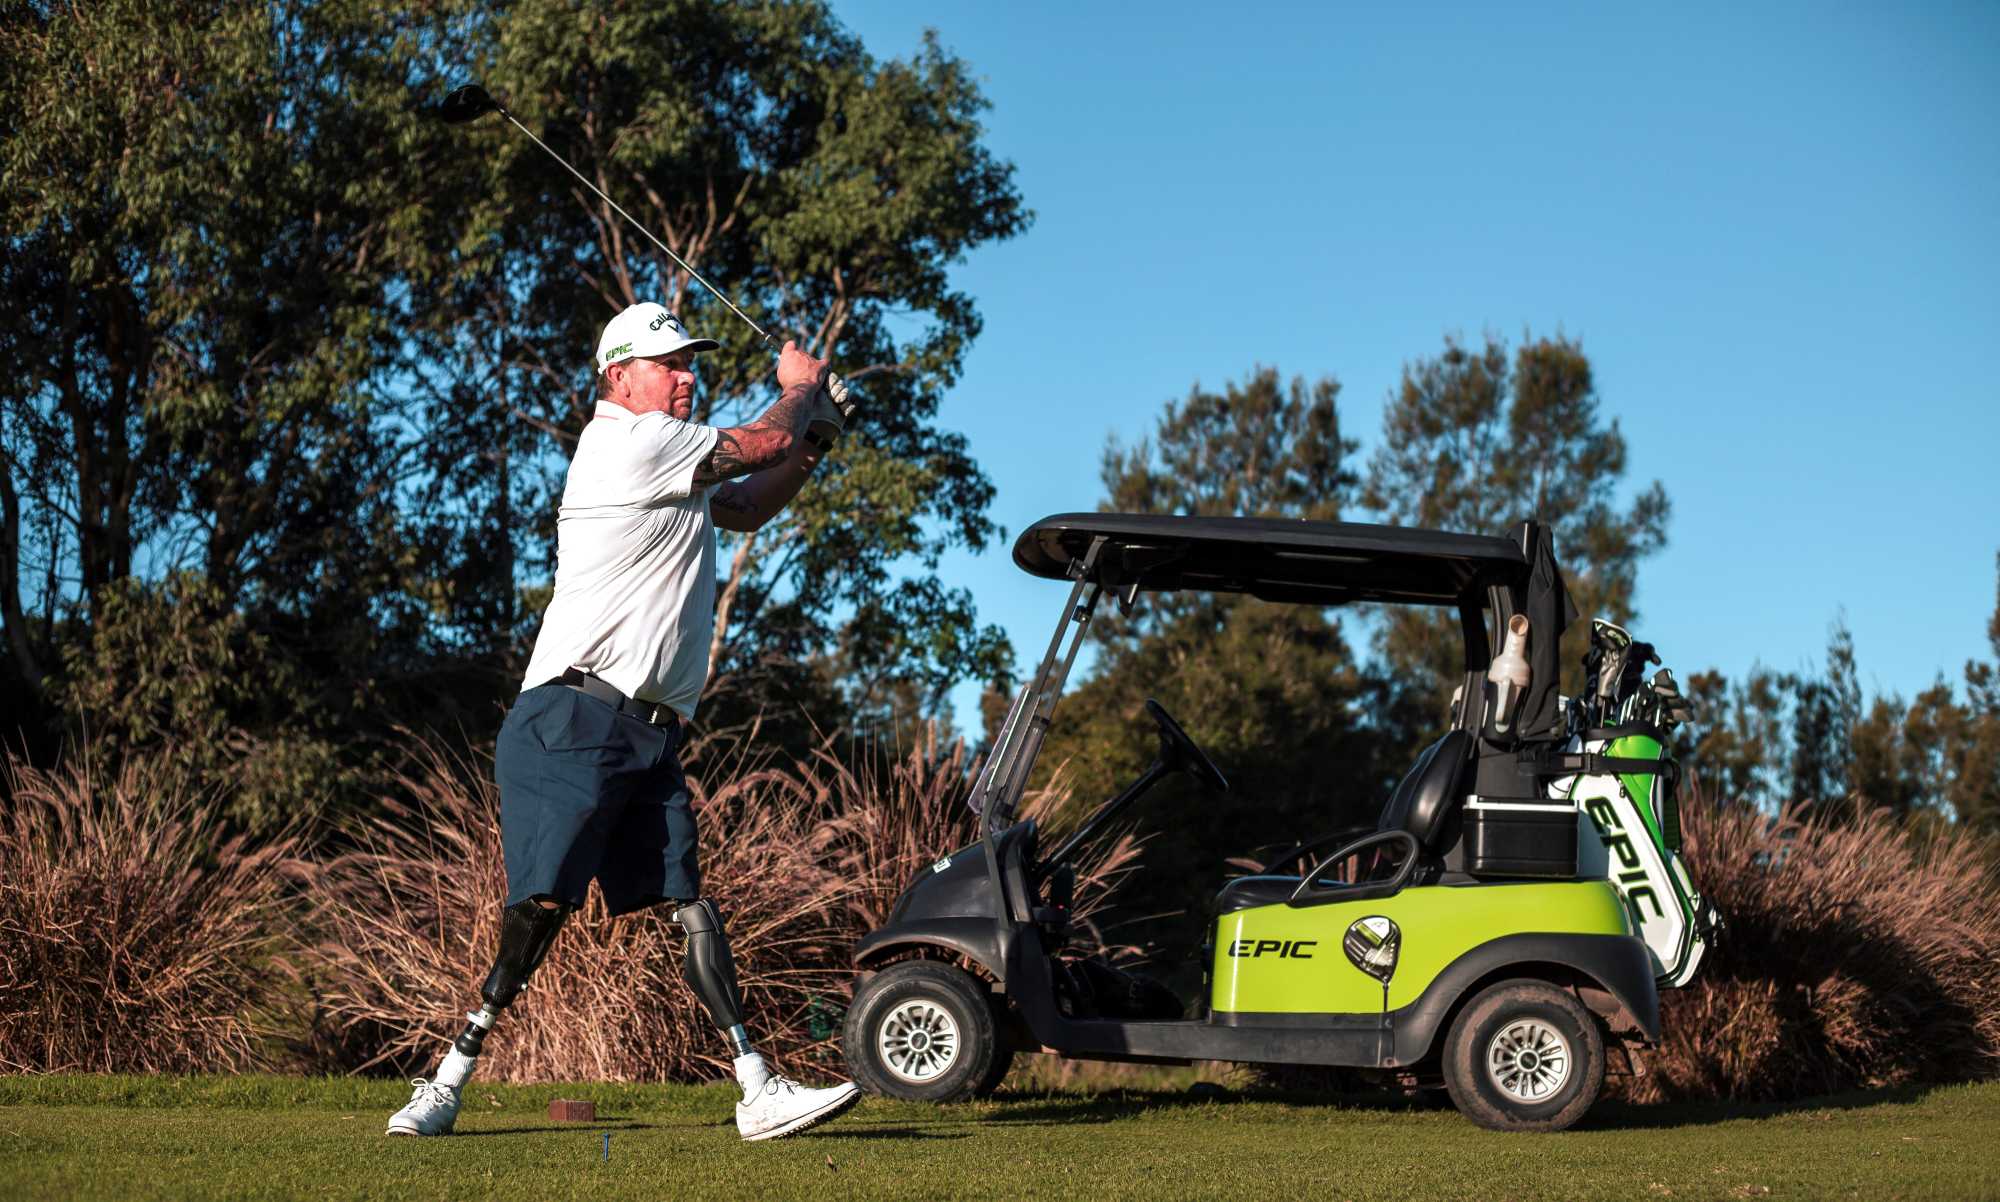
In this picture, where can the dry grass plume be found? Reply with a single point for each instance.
(1857, 956)
(135, 935)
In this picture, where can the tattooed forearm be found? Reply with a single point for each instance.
(734, 507)
(732, 498)
(725, 458)
(740, 450)
(745, 505)
(792, 409)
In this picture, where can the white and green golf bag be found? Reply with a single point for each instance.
(1628, 832)
(1626, 792)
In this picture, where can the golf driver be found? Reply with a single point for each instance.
(470, 102)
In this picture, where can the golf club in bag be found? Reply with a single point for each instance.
(470, 102)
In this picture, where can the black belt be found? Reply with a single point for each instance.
(658, 713)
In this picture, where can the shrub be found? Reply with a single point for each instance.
(408, 920)
(175, 672)
(1856, 956)
(134, 937)
(802, 860)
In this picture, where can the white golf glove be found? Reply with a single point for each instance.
(832, 407)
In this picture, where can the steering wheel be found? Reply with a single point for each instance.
(1180, 751)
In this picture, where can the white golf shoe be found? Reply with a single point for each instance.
(432, 1109)
(784, 1107)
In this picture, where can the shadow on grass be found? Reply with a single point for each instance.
(599, 1127)
(1032, 1110)
(1129, 1103)
(883, 1133)
(1627, 1116)
(1048, 1111)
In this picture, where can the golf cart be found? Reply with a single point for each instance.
(1506, 923)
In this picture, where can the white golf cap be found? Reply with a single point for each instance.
(645, 329)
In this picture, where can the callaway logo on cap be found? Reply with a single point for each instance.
(645, 329)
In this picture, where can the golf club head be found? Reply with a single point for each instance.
(466, 104)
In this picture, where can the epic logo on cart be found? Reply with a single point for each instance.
(1287, 949)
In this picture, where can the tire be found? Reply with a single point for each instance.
(924, 1032)
(1003, 1063)
(1003, 1049)
(1524, 1056)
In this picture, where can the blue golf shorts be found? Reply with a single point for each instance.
(588, 793)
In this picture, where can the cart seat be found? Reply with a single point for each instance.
(1422, 804)
(1428, 797)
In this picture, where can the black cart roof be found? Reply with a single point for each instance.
(1276, 559)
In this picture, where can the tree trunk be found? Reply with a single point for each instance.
(18, 640)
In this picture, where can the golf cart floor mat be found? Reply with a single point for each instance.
(1093, 989)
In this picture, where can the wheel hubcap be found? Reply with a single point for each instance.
(918, 1040)
(1528, 1060)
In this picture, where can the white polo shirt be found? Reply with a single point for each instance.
(635, 561)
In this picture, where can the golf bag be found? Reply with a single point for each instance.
(1625, 784)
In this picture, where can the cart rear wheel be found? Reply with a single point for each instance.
(924, 1032)
(1524, 1056)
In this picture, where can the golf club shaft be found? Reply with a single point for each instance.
(696, 275)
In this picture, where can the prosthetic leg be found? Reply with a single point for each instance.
(527, 931)
(710, 970)
(773, 1106)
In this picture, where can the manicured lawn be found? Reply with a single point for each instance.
(267, 1137)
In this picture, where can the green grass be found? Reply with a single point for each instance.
(269, 1137)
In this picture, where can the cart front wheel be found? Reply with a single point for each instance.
(1003, 1063)
(1524, 1056)
(924, 1032)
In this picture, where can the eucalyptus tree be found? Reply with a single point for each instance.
(219, 220)
(828, 192)
(291, 366)
(1476, 440)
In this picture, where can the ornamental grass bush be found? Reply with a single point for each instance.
(406, 922)
(1857, 955)
(803, 859)
(136, 936)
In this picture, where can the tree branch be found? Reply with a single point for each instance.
(738, 570)
(541, 425)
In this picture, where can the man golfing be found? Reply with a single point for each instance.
(588, 758)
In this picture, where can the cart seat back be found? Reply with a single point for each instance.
(1424, 802)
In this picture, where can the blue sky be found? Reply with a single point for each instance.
(1775, 230)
